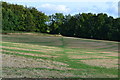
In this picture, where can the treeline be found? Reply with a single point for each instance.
(85, 25)
(20, 18)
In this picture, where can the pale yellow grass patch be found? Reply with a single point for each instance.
(111, 53)
(33, 46)
(22, 33)
(106, 52)
(14, 61)
(30, 54)
(108, 63)
(89, 52)
(84, 56)
(33, 73)
(71, 52)
(43, 48)
(23, 49)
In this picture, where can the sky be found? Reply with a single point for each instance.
(72, 7)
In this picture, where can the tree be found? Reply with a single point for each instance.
(115, 30)
(86, 25)
(29, 22)
(19, 18)
(55, 21)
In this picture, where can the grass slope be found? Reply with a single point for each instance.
(36, 56)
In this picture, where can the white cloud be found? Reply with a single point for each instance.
(119, 9)
(52, 8)
(112, 9)
(94, 6)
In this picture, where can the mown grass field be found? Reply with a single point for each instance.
(43, 56)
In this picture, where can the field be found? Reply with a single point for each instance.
(34, 55)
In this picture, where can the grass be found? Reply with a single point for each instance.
(64, 48)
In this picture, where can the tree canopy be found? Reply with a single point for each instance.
(85, 25)
(20, 18)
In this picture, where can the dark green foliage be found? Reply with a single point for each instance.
(88, 25)
(85, 25)
(55, 22)
(20, 18)
(115, 30)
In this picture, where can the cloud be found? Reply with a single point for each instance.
(112, 8)
(90, 9)
(52, 8)
(72, 6)
(119, 9)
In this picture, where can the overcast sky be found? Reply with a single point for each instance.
(72, 6)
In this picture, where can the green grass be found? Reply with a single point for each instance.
(23, 51)
(60, 46)
(24, 55)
